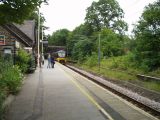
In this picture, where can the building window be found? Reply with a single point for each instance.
(2, 40)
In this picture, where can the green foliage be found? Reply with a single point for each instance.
(105, 14)
(12, 78)
(22, 60)
(112, 68)
(82, 48)
(152, 85)
(111, 43)
(59, 38)
(120, 63)
(80, 33)
(83, 29)
(147, 34)
(104, 17)
(31, 64)
(155, 73)
(120, 68)
(2, 98)
(17, 10)
(92, 60)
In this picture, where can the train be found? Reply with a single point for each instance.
(58, 52)
(61, 56)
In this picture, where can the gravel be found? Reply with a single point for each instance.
(142, 95)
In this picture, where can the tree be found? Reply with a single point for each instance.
(111, 43)
(59, 37)
(105, 14)
(147, 33)
(82, 48)
(80, 37)
(17, 10)
(83, 29)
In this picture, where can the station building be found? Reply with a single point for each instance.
(14, 37)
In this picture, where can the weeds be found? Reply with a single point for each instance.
(10, 80)
(121, 68)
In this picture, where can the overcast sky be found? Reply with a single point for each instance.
(69, 14)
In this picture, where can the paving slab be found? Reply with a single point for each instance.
(48, 94)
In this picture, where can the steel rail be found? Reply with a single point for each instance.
(141, 105)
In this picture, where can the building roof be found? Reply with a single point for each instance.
(28, 28)
(25, 32)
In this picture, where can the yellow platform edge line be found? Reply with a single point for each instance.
(89, 97)
(124, 101)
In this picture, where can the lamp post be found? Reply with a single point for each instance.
(42, 40)
(99, 51)
(38, 38)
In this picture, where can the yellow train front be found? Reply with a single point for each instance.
(61, 58)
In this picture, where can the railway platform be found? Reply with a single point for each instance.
(61, 94)
(49, 94)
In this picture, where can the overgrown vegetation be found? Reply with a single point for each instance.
(122, 56)
(120, 68)
(147, 36)
(22, 59)
(2, 98)
(10, 79)
(11, 75)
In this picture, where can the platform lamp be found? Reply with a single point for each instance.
(99, 52)
(38, 38)
(42, 40)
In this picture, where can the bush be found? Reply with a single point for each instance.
(31, 64)
(2, 98)
(22, 60)
(12, 78)
(92, 60)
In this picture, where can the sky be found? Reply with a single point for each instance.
(69, 14)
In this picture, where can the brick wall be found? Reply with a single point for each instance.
(9, 41)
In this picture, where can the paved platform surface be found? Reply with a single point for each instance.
(115, 106)
(49, 94)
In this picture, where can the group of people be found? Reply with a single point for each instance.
(51, 61)
(50, 58)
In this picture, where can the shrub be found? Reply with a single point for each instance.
(92, 60)
(22, 60)
(31, 64)
(12, 78)
(2, 98)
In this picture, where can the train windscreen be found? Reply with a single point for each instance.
(61, 53)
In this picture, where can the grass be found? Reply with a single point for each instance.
(119, 68)
(152, 86)
(113, 74)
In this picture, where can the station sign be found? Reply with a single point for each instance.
(2, 40)
(17, 44)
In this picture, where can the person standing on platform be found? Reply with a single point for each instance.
(49, 61)
(52, 61)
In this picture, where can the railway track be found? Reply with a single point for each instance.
(146, 104)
